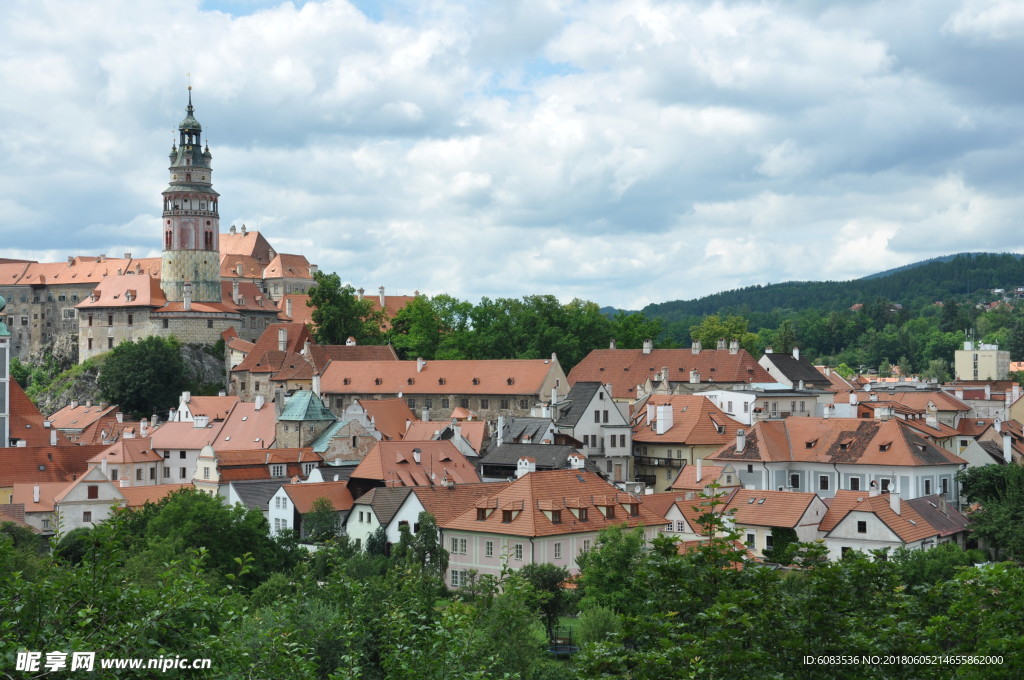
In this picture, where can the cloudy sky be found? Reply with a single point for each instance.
(622, 151)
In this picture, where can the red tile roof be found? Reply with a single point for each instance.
(696, 420)
(303, 495)
(493, 376)
(26, 422)
(531, 495)
(446, 503)
(266, 355)
(837, 440)
(473, 431)
(127, 451)
(769, 508)
(394, 464)
(390, 416)
(33, 465)
(624, 369)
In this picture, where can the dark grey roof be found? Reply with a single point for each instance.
(549, 456)
(516, 427)
(385, 501)
(257, 494)
(943, 517)
(576, 402)
(342, 472)
(993, 449)
(795, 369)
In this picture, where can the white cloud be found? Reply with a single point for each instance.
(623, 151)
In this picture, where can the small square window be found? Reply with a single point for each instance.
(862, 527)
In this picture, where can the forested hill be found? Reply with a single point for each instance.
(953, 277)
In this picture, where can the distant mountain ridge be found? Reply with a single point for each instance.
(941, 278)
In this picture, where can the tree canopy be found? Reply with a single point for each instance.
(338, 313)
(144, 377)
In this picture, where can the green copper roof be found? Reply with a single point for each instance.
(304, 405)
(323, 442)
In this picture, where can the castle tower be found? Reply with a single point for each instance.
(191, 221)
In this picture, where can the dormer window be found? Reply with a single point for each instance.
(347, 381)
(506, 516)
(409, 381)
(476, 381)
(441, 381)
(377, 381)
(556, 516)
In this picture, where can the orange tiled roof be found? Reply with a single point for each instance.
(474, 431)
(322, 355)
(561, 490)
(695, 420)
(267, 351)
(394, 463)
(837, 440)
(390, 416)
(249, 243)
(303, 495)
(80, 416)
(769, 508)
(686, 480)
(25, 493)
(445, 503)
(214, 408)
(624, 369)
(918, 399)
(37, 464)
(26, 422)
(301, 312)
(127, 451)
(494, 376)
(247, 427)
(285, 266)
(137, 496)
(909, 525)
(125, 291)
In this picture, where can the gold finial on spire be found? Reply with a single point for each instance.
(189, 76)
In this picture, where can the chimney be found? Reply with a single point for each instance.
(611, 344)
(695, 348)
(741, 440)
(425, 415)
(350, 342)
(282, 339)
(382, 299)
(768, 350)
(53, 437)
(700, 470)
(694, 377)
(233, 229)
(186, 296)
(243, 230)
(288, 307)
(313, 269)
(234, 291)
(894, 502)
(1008, 448)
(420, 363)
(800, 385)
(120, 417)
(278, 402)
(501, 429)
(873, 488)
(260, 400)
(884, 413)
(796, 353)
(143, 427)
(648, 346)
(576, 461)
(721, 344)
(35, 493)
(172, 414)
(201, 422)
(932, 415)
(554, 396)
(853, 398)
(664, 422)
(103, 466)
(416, 455)
(734, 347)
(360, 293)
(524, 466)
(74, 403)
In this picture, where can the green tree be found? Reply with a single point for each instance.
(607, 571)
(999, 489)
(714, 328)
(322, 522)
(339, 314)
(144, 377)
(938, 371)
(553, 600)
(416, 330)
(785, 338)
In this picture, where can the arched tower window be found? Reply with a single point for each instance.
(167, 239)
(208, 240)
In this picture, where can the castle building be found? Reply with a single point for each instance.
(226, 279)
(189, 300)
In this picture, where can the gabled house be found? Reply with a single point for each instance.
(824, 455)
(292, 502)
(388, 418)
(80, 423)
(376, 508)
(216, 469)
(252, 493)
(792, 370)
(672, 430)
(701, 477)
(130, 462)
(755, 514)
(542, 517)
(872, 521)
(278, 346)
(302, 419)
(42, 464)
(589, 415)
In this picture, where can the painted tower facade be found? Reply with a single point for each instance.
(190, 269)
